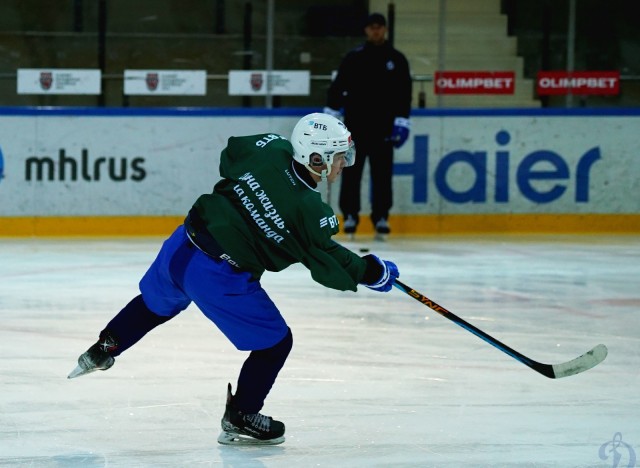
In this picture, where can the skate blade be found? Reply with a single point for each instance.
(380, 237)
(79, 371)
(232, 438)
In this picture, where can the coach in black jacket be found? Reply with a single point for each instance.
(373, 89)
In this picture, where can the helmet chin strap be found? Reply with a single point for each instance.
(322, 175)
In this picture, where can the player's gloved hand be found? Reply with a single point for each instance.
(380, 274)
(332, 112)
(401, 127)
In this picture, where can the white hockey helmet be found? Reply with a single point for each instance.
(317, 138)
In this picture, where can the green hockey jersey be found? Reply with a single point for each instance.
(267, 214)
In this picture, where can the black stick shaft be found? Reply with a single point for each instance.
(544, 369)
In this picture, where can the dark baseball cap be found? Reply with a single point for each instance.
(376, 18)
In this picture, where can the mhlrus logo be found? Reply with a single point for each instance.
(84, 168)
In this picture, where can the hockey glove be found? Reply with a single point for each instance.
(383, 272)
(400, 133)
(332, 112)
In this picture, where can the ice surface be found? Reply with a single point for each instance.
(373, 379)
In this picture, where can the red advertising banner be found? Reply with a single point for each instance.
(586, 82)
(474, 82)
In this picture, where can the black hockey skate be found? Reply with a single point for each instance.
(97, 357)
(248, 429)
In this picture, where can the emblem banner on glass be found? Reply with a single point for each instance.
(165, 82)
(278, 82)
(59, 81)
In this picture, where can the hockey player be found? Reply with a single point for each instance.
(265, 214)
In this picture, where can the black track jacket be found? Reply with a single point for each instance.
(373, 86)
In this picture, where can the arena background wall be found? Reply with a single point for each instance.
(119, 171)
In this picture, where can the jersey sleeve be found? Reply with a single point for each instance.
(330, 264)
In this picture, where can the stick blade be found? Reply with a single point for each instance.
(580, 364)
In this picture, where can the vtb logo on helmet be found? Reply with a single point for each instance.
(321, 135)
(318, 125)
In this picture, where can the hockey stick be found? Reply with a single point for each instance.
(554, 371)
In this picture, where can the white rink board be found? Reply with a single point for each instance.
(155, 162)
(181, 158)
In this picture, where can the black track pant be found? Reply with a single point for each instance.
(380, 157)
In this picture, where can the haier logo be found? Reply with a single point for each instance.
(541, 176)
(84, 168)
